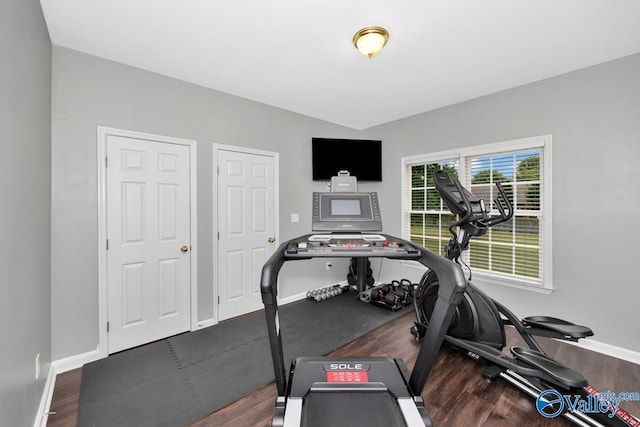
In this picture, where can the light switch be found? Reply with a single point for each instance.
(295, 217)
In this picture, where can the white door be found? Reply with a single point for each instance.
(246, 227)
(148, 229)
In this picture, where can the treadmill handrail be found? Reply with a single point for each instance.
(452, 286)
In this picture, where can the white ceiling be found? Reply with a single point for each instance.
(298, 54)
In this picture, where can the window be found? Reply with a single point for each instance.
(514, 253)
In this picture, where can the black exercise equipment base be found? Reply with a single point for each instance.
(377, 383)
(292, 405)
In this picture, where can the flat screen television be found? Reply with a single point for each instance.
(361, 157)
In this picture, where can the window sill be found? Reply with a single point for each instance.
(486, 280)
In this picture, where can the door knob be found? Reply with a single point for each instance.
(184, 248)
(271, 239)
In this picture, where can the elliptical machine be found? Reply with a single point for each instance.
(477, 326)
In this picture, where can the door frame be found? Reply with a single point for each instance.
(276, 177)
(103, 302)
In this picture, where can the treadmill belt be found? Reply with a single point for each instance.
(351, 409)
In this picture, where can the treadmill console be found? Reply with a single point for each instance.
(350, 245)
(346, 212)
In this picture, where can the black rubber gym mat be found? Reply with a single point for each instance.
(177, 380)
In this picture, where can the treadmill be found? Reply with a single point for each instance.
(355, 391)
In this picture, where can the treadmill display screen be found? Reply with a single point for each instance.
(347, 377)
(340, 207)
(346, 212)
(345, 207)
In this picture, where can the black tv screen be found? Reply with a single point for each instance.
(361, 157)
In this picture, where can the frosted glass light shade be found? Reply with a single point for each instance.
(370, 40)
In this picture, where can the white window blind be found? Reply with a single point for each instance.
(514, 253)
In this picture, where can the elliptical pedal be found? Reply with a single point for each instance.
(554, 327)
(557, 372)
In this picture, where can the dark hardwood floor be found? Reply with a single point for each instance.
(455, 394)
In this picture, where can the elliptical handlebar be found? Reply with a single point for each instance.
(471, 210)
(498, 201)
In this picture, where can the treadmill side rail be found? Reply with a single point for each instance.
(278, 412)
(452, 286)
(410, 412)
(269, 290)
(293, 414)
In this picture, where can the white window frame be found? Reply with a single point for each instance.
(544, 143)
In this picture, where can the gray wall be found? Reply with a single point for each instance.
(90, 92)
(594, 117)
(25, 194)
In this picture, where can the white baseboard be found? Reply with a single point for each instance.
(204, 324)
(292, 298)
(608, 350)
(73, 362)
(57, 367)
(42, 415)
(303, 295)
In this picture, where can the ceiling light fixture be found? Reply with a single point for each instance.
(370, 40)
